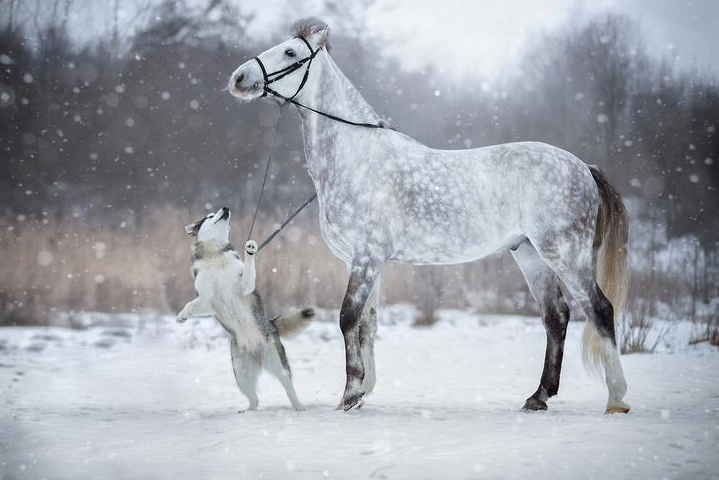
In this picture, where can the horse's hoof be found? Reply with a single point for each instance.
(616, 409)
(356, 401)
(251, 408)
(533, 404)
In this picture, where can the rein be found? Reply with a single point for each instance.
(262, 191)
(284, 224)
(283, 72)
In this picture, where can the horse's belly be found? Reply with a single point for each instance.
(420, 242)
(448, 248)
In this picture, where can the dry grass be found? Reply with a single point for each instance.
(709, 334)
(72, 265)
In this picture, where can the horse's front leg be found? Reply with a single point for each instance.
(367, 334)
(364, 273)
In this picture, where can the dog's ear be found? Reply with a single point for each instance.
(192, 228)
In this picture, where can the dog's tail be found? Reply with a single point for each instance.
(293, 323)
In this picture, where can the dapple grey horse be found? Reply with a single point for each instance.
(383, 196)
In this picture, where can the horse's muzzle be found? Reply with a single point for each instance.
(246, 84)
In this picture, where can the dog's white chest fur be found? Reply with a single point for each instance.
(219, 279)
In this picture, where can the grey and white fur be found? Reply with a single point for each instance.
(225, 287)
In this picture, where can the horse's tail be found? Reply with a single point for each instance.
(610, 244)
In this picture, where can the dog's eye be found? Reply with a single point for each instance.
(290, 53)
(211, 215)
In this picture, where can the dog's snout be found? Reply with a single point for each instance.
(224, 213)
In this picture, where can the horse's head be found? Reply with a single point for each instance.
(283, 68)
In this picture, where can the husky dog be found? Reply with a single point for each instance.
(225, 289)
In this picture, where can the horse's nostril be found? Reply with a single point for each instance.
(238, 80)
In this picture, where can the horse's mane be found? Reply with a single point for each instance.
(309, 25)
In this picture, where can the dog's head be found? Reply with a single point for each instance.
(215, 226)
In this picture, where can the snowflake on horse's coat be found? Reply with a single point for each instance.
(383, 197)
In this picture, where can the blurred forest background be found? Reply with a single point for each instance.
(109, 146)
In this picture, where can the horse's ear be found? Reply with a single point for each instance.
(320, 37)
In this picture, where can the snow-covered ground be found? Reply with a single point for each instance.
(158, 400)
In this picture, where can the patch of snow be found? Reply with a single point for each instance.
(143, 397)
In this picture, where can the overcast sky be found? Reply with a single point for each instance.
(468, 36)
(477, 36)
(486, 35)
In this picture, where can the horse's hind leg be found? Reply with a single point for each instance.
(367, 333)
(544, 286)
(600, 314)
(575, 266)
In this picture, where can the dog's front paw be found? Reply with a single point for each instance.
(180, 318)
(251, 247)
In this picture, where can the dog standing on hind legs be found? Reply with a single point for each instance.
(225, 289)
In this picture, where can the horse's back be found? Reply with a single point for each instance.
(475, 202)
(557, 190)
(422, 205)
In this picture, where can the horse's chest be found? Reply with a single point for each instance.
(337, 232)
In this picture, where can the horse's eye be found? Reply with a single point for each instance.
(289, 52)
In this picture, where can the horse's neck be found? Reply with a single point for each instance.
(329, 91)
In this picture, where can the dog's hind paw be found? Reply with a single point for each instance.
(298, 407)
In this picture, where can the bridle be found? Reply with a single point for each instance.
(283, 72)
(272, 77)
